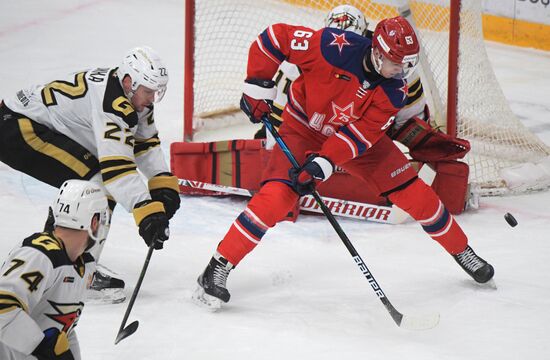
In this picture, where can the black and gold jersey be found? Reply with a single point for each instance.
(90, 107)
(40, 288)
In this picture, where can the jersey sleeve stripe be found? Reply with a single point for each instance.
(270, 47)
(113, 168)
(358, 133)
(266, 53)
(142, 146)
(10, 302)
(361, 147)
(49, 149)
(348, 143)
(272, 37)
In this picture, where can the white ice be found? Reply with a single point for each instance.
(299, 295)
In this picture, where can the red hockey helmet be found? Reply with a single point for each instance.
(396, 40)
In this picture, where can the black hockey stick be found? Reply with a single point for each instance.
(124, 330)
(404, 321)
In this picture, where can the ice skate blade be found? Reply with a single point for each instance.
(489, 285)
(105, 296)
(206, 301)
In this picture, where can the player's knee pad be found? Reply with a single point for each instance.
(273, 202)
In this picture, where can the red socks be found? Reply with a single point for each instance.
(422, 203)
(270, 205)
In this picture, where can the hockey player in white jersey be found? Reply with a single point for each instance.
(98, 125)
(44, 279)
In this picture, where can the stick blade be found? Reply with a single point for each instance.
(127, 331)
(425, 322)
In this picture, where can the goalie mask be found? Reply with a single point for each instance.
(395, 41)
(347, 17)
(146, 68)
(77, 204)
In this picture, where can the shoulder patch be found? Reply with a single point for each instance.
(345, 50)
(114, 101)
(50, 246)
(397, 91)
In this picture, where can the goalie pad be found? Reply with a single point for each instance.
(239, 164)
(429, 145)
(451, 184)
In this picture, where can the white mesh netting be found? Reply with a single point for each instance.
(224, 30)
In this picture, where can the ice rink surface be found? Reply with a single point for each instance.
(299, 294)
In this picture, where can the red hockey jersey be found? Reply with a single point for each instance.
(334, 101)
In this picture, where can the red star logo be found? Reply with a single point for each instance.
(404, 89)
(340, 41)
(67, 314)
(342, 116)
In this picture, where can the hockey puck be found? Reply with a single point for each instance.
(511, 220)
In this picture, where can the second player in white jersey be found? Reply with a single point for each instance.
(98, 125)
(43, 280)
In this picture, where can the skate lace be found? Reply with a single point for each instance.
(220, 276)
(470, 260)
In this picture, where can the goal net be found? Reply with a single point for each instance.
(505, 157)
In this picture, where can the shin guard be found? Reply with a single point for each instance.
(270, 205)
(423, 204)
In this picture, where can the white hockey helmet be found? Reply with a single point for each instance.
(146, 68)
(77, 204)
(347, 17)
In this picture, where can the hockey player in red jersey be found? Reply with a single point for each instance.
(347, 96)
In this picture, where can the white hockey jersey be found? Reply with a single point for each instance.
(40, 288)
(90, 107)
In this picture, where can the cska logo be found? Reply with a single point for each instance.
(340, 41)
(66, 314)
(342, 116)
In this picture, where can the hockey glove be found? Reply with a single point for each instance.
(164, 187)
(54, 346)
(152, 221)
(429, 145)
(316, 168)
(258, 96)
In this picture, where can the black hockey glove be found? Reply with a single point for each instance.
(153, 222)
(258, 96)
(315, 168)
(164, 187)
(54, 346)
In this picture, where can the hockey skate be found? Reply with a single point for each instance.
(479, 269)
(105, 288)
(211, 289)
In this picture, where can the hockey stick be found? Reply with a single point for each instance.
(344, 208)
(404, 321)
(124, 330)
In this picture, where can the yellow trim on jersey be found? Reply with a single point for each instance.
(30, 137)
(411, 104)
(47, 242)
(164, 181)
(142, 212)
(411, 94)
(123, 105)
(146, 144)
(116, 167)
(115, 178)
(10, 301)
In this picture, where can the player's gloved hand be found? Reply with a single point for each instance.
(258, 96)
(315, 168)
(164, 187)
(54, 346)
(429, 145)
(152, 221)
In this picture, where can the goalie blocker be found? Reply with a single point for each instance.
(239, 164)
